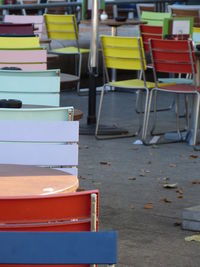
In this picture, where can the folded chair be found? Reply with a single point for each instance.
(64, 27)
(170, 56)
(124, 53)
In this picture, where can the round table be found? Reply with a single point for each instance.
(21, 180)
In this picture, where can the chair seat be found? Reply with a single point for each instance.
(179, 88)
(135, 84)
(132, 84)
(176, 80)
(70, 50)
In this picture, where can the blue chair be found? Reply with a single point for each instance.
(58, 248)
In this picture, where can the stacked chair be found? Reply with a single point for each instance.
(154, 18)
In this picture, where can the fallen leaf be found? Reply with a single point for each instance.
(180, 196)
(149, 162)
(134, 148)
(105, 163)
(178, 224)
(170, 186)
(195, 182)
(147, 171)
(166, 200)
(132, 206)
(193, 156)
(142, 174)
(148, 206)
(192, 238)
(172, 165)
(82, 178)
(180, 191)
(86, 147)
(132, 178)
(166, 179)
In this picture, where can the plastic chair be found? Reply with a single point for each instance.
(64, 27)
(170, 56)
(36, 20)
(154, 18)
(124, 53)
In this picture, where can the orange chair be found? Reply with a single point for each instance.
(73, 212)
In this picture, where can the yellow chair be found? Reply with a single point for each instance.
(19, 43)
(64, 27)
(125, 53)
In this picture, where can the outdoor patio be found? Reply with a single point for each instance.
(131, 177)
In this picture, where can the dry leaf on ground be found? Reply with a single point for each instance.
(105, 163)
(172, 165)
(148, 206)
(170, 186)
(179, 191)
(179, 196)
(132, 178)
(192, 238)
(193, 156)
(178, 224)
(132, 206)
(195, 182)
(166, 200)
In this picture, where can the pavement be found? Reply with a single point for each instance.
(131, 179)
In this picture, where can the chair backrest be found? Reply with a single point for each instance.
(196, 35)
(36, 20)
(61, 27)
(27, 60)
(59, 248)
(173, 56)
(123, 53)
(194, 13)
(154, 18)
(19, 43)
(25, 2)
(145, 7)
(17, 29)
(39, 137)
(72, 212)
(150, 32)
(31, 87)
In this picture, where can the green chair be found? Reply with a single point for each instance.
(31, 87)
(154, 18)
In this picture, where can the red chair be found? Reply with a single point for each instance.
(17, 29)
(170, 56)
(73, 212)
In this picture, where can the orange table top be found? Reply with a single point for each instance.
(21, 180)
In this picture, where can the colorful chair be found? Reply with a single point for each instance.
(170, 56)
(124, 53)
(145, 7)
(64, 27)
(19, 43)
(154, 18)
(17, 29)
(37, 21)
(31, 87)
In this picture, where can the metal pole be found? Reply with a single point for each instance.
(93, 63)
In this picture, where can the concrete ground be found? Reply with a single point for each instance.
(130, 179)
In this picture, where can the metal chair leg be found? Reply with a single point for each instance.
(196, 122)
(147, 117)
(79, 72)
(99, 112)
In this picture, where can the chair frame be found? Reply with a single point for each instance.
(186, 92)
(76, 54)
(145, 89)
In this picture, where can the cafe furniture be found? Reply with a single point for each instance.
(154, 18)
(64, 27)
(175, 56)
(124, 53)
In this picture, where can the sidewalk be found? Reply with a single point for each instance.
(130, 179)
